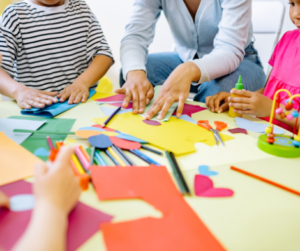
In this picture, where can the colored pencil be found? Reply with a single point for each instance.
(179, 182)
(265, 180)
(148, 158)
(43, 132)
(102, 155)
(77, 164)
(95, 159)
(111, 117)
(121, 155)
(116, 156)
(124, 156)
(50, 143)
(100, 159)
(92, 155)
(83, 161)
(112, 158)
(141, 157)
(58, 145)
(151, 150)
(180, 173)
(86, 155)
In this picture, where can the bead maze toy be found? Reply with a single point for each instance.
(281, 145)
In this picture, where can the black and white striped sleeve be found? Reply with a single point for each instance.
(10, 40)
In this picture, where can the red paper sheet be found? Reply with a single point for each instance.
(84, 221)
(190, 109)
(118, 97)
(179, 229)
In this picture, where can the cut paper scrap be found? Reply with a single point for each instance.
(185, 231)
(22, 202)
(41, 152)
(130, 138)
(84, 221)
(52, 110)
(204, 188)
(204, 170)
(188, 119)
(152, 122)
(8, 125)
(255, 127)
(169, 136)
(100, 141)
(109, 111)
(238, 130)
(125, 144)
(148, 107)
(16, 162)
(189, 109)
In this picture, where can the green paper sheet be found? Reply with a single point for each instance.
(36, 141)
(169, 113)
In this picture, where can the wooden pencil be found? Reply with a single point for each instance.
(111, 117)
(151, 150)
(124, 155)
(116, 156)
(141, 157)
(120, 154)
(112, 158)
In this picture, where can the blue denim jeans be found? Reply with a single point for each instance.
(160, 65)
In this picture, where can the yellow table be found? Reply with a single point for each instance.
(259, 217)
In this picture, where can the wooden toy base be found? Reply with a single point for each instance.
(282, 147)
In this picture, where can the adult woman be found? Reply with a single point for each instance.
(212, 48)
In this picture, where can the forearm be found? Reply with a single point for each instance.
(8, 86)
(46, 231)
(97, 69)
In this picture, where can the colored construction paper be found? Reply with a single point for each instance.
(101, 95)
(84, 221)
(238, 130)
(169, 136)
(36, 141)
(100, 141)
(204, 170)
(255, 127)
(187, 118)
(41, 152)
(105, 128)
(22, 202)
(118, 97)
(109, 111)
(8, 125)
(52, 110)
(130, 138)
(195, 138)
(152, 122)
(16, 162)
(125, 144)
(178, 229)
(190, 109)
(204, 188)
(148, 107)
(91, 128)
(117, 104)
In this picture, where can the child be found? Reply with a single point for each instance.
(56, 191)
(51, 48)
(285, 75)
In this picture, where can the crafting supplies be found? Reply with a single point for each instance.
(219, 127)
(111, 116)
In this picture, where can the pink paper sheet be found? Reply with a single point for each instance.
(238, 130)
(118, 97)
(152, 122)
(190, 109)
(84, 221)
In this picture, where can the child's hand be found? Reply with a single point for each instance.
(252, 103)
(76, 92)
(213, 102)
(4, 200)
(57, 187)
(27, 98)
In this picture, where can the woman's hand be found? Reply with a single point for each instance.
(138, 89)
(175, 89)
(251, 103)
(218, 103)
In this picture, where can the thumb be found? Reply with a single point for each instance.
(49, 93)
(63, 158)
(120, 91)
(40, 169)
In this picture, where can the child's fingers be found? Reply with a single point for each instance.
(78, 98)
(84, 97)
(63, 92)
(224, 107)
(240, 105)
(40, 169)
(50, 98)
(34, 103)
(52, 94)
(239, 100)
(243, 112)
(25, 105)
(72, 97)
(62, 160)
(65, 96)
(207, 99)
(242, 93)
(211, 103)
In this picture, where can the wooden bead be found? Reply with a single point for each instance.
(271, 141)
(271, 136)
(269, 130)
(288, 106)
(282, 116)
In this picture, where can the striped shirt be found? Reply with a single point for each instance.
(47, 48)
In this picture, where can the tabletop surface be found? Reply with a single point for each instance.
(258, 217)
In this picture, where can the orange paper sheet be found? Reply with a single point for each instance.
(16, 162)
(179, 228)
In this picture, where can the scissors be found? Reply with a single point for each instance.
(219, 127)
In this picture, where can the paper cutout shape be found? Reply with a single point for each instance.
(109, 111)
(204, 188)
(238, 130)
(255, 127)
(148, 107)
(129, 107)
(152, 122)
(204, 170)
(169, 136)
(52, 110)
(195, 139)
(187, 118)
(56, 125)
(130, 138)
(189, 109)
(13, 224)
(41, 152)
(85, 134)
(91, 128)
(16, 162)
(185, 231)
(22, 202)
(125, 144)
(8, 125)
(117, 97)
(100, 141)
(105, 128)
(101, 95)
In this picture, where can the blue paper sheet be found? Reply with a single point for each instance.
(109, 111)
(52, 110)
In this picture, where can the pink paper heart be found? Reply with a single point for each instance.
(204, 188)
